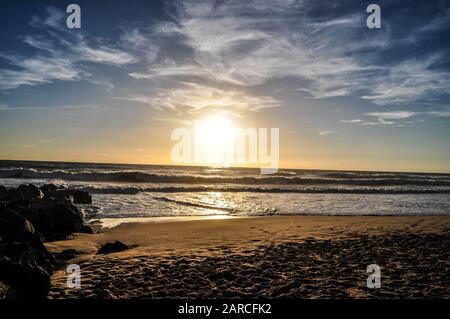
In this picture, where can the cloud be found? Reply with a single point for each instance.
(60, 56)
(392, 115)
(193, 98)
(411, 80)
(398, 118)
(103, 54)
(40, 108)
(440, 113)
(227, 44)
(388, 118)
(323, 133)
(229, 47)
(38, 71)
(172, 120)
(253, 42)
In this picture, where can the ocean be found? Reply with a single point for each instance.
(125, 190)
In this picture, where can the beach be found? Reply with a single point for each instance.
(262, 257)
(152, 231)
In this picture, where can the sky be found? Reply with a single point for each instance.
(342, 95)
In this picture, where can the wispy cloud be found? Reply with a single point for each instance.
(392, 115)
(398, 118)
(389, 117)
(60, 56)
(440, 113)
(323, 133)
(38, 71)
(411, 80)
(41, 108)
(193, 98)
(251, 43)
(229, 47)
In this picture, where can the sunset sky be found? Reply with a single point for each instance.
(343, 96)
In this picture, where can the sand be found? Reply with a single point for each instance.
(263, 257)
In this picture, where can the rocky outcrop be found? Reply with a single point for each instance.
(48, 208)
(114, 247)
(55, 219)
(82, 197)
(6, 292)
(25, 263)
(29, 216)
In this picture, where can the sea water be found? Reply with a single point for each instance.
(148, 190)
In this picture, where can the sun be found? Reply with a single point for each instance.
(214, 138)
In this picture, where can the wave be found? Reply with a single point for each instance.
(192, 204)
(230, 189)
(145, 177)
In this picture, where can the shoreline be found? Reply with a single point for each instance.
(168, 259)
(112, 222)
(102, 224)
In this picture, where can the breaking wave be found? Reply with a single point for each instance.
(344, 178)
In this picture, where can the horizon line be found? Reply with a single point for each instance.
(230, 167)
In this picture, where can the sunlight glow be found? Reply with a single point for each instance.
(215, 136)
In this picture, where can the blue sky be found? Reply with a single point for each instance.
(344, 96)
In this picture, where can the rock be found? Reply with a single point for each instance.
(14, 224)
(52, 192)
(82, 197)
(23, 192)
(6, 291)
(67, 254)
(48, 189)
(55, 219)
(49, 209)
(112, 247)
(25, 275)
(15, 228)
(30, 192)
(28, 215)
(25, 263)
(14, 194)
(3, 192)
(87, 229)
(61, 195)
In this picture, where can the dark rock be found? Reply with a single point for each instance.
(6, 291)
(14, 228)
(30, 192)
(55, 219)
(14, 194)
(67, 254)
(3, 192)
(28, 215)
(87, 229)
(61, 195)
(23, 192)
(25, 263)
(24, 273)
(48, 188)
(112, 247)
(52, 192)
(66, 218)
(82, 197)
(14, 224)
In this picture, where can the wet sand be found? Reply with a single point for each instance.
(264, 257)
